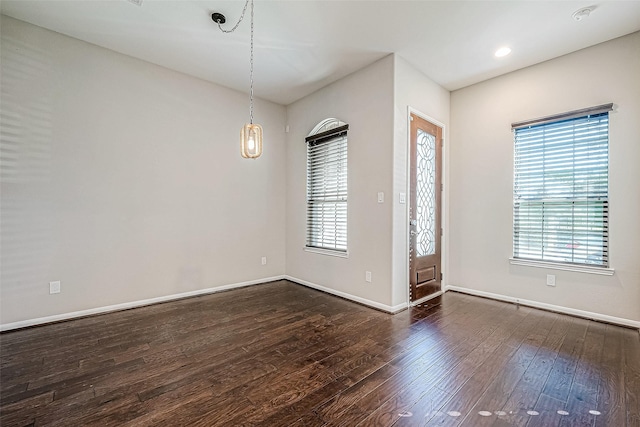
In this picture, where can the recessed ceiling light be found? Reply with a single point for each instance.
(503, 51)
(580, 14)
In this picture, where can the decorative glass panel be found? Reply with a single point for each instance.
(426, 194)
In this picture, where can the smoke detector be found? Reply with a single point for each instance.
(582, 13)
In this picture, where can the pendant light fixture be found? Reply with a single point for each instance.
(251, 133)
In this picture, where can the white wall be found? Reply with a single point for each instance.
(364, 100)
(481, 177)
(412, 89)
(124, 180)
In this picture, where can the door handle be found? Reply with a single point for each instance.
(413, 233)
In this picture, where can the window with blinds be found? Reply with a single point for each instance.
(561, 188)
(327, 186)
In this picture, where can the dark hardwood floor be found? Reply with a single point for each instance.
(280, 354)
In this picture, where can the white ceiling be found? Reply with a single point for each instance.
(303, 45)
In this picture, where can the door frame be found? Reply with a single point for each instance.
(443, 204)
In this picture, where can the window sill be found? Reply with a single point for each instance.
(329, 252)
(603, 271)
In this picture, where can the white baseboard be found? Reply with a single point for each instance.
(383, 307)
(550, 307)
(128, 305)
(364, 301)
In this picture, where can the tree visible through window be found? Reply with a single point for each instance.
(561, 188)
(327, 186)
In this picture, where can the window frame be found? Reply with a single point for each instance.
(532, 261)
(327, 189)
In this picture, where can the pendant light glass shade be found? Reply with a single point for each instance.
(251, 141)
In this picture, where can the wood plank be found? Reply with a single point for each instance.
(560, 379)
(529, 337)
(429, 390)
(583, 395)
(281, 354)
(548, 408)
(611, 384)
(524, 396)
(501, 388)
(631, 357)
(423, 374)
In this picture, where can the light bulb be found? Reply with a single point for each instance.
(503, 51)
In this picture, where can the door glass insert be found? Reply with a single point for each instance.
(426, 194)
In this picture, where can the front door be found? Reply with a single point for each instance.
(425, 273)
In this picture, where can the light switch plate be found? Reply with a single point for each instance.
(381, 197)
(403, 198)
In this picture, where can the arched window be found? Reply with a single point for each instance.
(327, 186)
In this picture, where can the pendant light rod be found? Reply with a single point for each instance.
(220, 19)
(251, 70)
(250, 135)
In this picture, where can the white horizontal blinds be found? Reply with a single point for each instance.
(327, 190)
(561, 190)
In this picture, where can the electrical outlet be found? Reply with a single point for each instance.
(264, 260)
(367, 276)
(54, 287)
(551, 279)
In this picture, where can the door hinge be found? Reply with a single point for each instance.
(441, 277)
(441, 231)
(441, 187)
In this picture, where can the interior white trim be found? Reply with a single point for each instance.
(383, 307)
(559, 309)
(133, 304)
(329, 252)
(411, 110)
(560, 266)
(443, 200)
